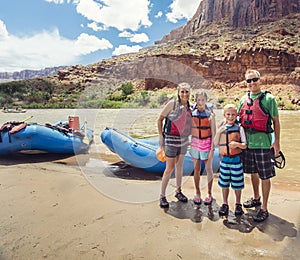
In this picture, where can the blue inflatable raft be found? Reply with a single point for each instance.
(52, 138)
(141, 153)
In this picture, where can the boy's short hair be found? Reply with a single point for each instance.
(230, 106)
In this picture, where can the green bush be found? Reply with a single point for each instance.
(111, 104)
(143, 99)
(290, 106)
(154, 104)
(96, 103)
(127, 89)
(116, 96)
(162, 98)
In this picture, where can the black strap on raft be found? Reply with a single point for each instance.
(58, 128)
(64, 128)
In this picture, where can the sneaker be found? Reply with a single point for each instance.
(261, 216)
(224, 210)
(208, 200)
(238, 210)
(179, 195)
(163, 203)
(197, 200)
(252, 203)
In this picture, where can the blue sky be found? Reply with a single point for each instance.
(35, 34)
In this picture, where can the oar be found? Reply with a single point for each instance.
(26, 119)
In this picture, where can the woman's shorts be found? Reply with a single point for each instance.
(175, 145)
(198, 155)
(172, 151)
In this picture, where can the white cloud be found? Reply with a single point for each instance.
(125, 34)
(3, 31)
(139, 37)
(159, 14)
(181, 9)
(119, 14)
(45, 49)
(86, 44)
(95, 27)
(122, 49)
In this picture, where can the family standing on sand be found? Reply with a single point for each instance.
(245, 144)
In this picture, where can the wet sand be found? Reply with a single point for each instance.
(50, 210)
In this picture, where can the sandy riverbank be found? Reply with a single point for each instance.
(50, 211)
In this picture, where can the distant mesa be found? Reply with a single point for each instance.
(29, 74)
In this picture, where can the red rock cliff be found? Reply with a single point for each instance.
(234, 13)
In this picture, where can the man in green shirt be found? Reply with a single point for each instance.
(258, 111)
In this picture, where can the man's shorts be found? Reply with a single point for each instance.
(231, 172)
(259, 161)
(203, 156)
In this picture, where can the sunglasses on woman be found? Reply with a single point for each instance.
(253, 80)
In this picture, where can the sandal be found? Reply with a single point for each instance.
(181, 197)
(197, 200)
(252, 203)
(163, 203)
(238, 210)
(261, 216)
(224, 210)
(208, 200)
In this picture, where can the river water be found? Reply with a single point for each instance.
(142, 123)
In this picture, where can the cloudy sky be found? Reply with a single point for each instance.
(35, 34)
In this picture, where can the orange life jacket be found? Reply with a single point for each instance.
(201, 125)
(232, 133)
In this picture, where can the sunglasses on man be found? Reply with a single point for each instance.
(252, 80)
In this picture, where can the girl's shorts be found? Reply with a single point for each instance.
(198, 155)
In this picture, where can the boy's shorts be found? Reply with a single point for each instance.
(198, 155)
(231, 172)
(259, 161)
